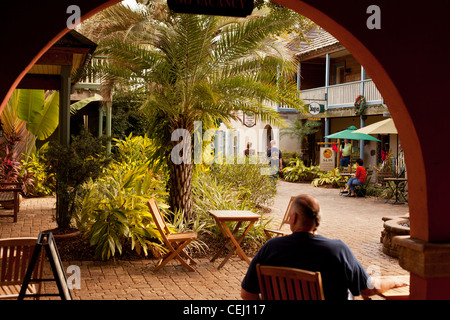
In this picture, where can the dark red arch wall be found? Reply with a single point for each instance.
(407, 58)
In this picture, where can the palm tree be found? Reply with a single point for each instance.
(196, 68)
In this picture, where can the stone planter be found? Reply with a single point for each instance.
(393, 226)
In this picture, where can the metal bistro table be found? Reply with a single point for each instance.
(396, 189)
(241, 216)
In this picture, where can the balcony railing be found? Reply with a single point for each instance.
(92, 79)
(341, 95)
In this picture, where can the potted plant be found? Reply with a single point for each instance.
(72, 166)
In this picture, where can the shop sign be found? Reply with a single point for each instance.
(249, 119)
(314, 108)
(327, 159)
(232, 8)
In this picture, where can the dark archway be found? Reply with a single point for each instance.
(406, 58)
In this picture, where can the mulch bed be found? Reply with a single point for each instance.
(78, 248)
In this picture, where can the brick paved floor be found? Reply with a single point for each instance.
(356, 221)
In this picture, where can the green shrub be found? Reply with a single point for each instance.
(297, 171)
(248, 179)
(41, 182)
(113, 210)
(331, 178)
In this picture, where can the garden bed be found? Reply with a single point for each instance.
(77, 248)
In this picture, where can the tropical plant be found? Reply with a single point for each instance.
(113, 210)
(196, 68)
(247, 178)
(9, 167)
(297, 171)
(299, 129)
(34, 166)
(331, 178)
(17, 138)
(71, 166)
(40, 110)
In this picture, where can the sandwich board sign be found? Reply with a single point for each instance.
(327, 159)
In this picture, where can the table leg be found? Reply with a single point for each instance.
(225, 231)
(236, 244)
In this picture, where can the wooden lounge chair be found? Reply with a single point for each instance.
(281, 283)
(15, 256)
(10, 198)
(277, 232)
(175, 242)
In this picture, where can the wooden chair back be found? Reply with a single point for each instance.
(15, 256)
(277, 232)
(282, 283)
(158, 218)
(286, 214)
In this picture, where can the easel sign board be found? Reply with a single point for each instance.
(327, 159)
(46, 242)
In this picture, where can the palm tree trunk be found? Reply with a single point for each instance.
(181, 188)
(180, 180)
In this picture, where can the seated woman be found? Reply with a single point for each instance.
(359, 178)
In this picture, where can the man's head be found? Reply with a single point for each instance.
(273, 143)
(304, 215)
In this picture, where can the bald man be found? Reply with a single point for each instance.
(304, 249)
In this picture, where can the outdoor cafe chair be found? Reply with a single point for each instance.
(277, 232)
(15, 256)
(175, 242)
(282, 283)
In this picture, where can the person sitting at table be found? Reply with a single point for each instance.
(304, 249)
(359, 178)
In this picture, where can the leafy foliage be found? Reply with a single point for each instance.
(297, 171)
(332, 178)
(195, 68)
(113, 208)
(43, 183)
(72, 166)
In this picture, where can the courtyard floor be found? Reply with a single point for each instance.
(356, 221)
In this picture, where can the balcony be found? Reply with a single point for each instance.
(92, 79)
(340, 95)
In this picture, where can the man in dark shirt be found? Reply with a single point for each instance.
(303, 249)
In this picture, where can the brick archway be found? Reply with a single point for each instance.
(406, 58)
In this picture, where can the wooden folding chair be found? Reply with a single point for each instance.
(281, 283)
(175, 242)
(278, 232)
(15, 256)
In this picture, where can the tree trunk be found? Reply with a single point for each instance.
(181, 188)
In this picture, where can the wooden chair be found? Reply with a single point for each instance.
(282, 283)
(15, 256)
(175, 242)
(10, 197)
(278, 232)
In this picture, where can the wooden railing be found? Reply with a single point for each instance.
(341, 95)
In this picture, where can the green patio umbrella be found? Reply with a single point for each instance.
(349, 134)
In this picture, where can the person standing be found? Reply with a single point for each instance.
(275, 159)
(346, 153)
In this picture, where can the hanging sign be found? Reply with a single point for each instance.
(232, 8)
(314, 108)
(248, 119)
